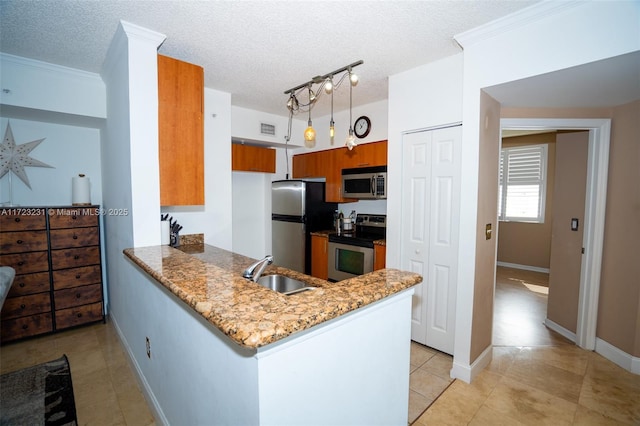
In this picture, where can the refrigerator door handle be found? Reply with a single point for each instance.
(286, 218)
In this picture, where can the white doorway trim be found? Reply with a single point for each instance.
(594, 215)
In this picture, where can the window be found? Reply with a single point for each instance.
(523, 182)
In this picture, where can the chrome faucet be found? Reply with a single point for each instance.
(254, 271)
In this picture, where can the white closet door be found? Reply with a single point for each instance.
(430, 222)
(416, 181)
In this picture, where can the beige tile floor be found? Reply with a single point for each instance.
(536, 377)
(105, 388)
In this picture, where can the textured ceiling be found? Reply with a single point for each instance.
(256, 50)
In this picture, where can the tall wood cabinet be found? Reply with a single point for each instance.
(180, 132)
(56, 254)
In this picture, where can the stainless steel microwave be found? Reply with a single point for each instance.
(366, 183)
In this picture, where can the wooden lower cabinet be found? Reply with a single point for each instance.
(58, 282)
(319, 256)
(379, 256)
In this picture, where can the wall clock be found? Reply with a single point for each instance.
(362, 127)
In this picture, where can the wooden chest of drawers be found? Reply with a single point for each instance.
(56, 254)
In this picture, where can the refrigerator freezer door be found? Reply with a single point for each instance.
(288, 198)
(288, 246)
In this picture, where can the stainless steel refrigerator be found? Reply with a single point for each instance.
(298, 208)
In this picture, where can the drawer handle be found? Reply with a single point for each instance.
(76, 257)
(22, 306)
(74, 217)
(25, 326)
(19, 241)
(77, 276)
(21, 285)
(78, 295)
(21, 263)
(17, 219)
(79, 315)
(75, 237)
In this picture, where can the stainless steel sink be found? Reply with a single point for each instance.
(283, 284)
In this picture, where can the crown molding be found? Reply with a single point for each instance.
(517, 19)
(133, 30)
(48, 67)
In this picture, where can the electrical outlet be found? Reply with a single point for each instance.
(148, 348)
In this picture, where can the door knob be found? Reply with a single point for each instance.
(417, 251)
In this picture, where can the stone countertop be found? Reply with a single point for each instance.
(209, 280)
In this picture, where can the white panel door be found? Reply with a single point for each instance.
(430, 205)
(416, 171)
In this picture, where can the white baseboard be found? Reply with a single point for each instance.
(467, 373)
(560, 330)
(158, 414)
(618, 356)
(525, 267)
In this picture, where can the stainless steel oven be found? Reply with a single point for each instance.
(351, 253)
(348, 261)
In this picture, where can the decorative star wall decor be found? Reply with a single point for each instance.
(16, 157)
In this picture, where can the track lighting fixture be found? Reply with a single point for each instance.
(327, 83)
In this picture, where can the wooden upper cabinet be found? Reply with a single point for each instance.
(365, 155)
(180, 132)
(329, 164)
(312, 164)
(248, 158)
(302, 165)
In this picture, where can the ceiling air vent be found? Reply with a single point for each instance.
(267, 129)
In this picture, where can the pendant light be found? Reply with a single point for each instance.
(310, 133)
(332, 128)
(351, 139)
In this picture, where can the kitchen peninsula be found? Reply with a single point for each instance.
(224, 350)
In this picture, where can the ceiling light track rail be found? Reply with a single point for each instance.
(320, 78)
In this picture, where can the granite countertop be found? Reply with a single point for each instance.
(209, 280)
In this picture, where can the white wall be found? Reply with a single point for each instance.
(64, 106)
(47, 87)
(245, 125)
(130, 167)
(424, 97)
(70, 150)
